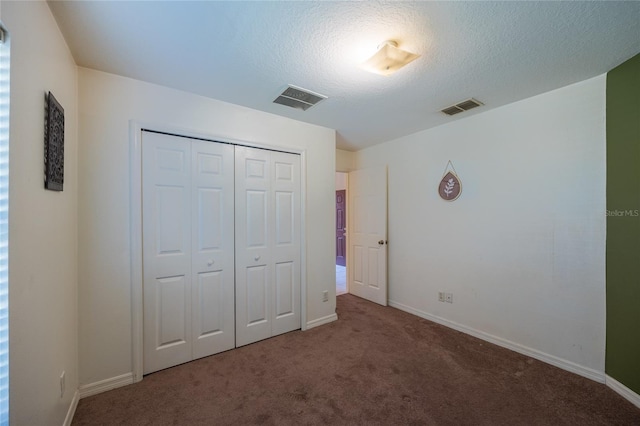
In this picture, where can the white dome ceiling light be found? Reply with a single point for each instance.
(388, 59)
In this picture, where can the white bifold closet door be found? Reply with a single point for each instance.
(188, 249)
(267, 244)
(216, 273)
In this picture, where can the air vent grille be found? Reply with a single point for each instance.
(296, 97)
(452, 110)
(462, 106)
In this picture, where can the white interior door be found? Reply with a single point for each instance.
(285, 189)
(212, 242)
(368, 234)
(188, 255)
(253, 257)
(267, 244)
(166, 229)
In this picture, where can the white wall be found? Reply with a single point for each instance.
(43, 230)
(107, 103)
(523, 248)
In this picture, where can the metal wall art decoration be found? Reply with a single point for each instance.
(450, 187)
(53, 144)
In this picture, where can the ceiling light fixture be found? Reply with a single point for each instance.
(388, 59)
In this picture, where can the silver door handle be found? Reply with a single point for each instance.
(210, 262)
(256, 258)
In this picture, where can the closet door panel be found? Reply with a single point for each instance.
(212, 228)
(166, 205)
(285, 290)
(171, 312)
(211, 293)
(253, 254)
(256, 300)
(285, 190)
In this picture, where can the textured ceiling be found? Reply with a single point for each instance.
(247, 52)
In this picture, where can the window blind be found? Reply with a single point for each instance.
(4, 228)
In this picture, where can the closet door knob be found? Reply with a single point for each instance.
(256, 258)
(210, 262)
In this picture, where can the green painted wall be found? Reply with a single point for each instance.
(623, 224)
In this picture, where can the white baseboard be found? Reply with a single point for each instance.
(322, 321)
(105, 385)
(72, 409)
(624, 391)
(127, 379)
(589, 373)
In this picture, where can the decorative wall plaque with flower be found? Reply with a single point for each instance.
(450, 186)
(53, 144)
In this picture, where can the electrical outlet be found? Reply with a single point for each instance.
(440, 296)
(62, 384)
(325, 296)
(448, 297)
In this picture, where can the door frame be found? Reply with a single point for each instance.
(347, 224)
(135, 223)
(344, 234)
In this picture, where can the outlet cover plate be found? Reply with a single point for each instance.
(62, 384)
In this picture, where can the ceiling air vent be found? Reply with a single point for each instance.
(462, 106)
(298, 98)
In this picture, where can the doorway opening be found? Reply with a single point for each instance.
(341, 231)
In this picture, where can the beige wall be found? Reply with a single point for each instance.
(107, 104)
(522, 249)
(345, 161)
(43, 224)
(533, 175)
(341, 180)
